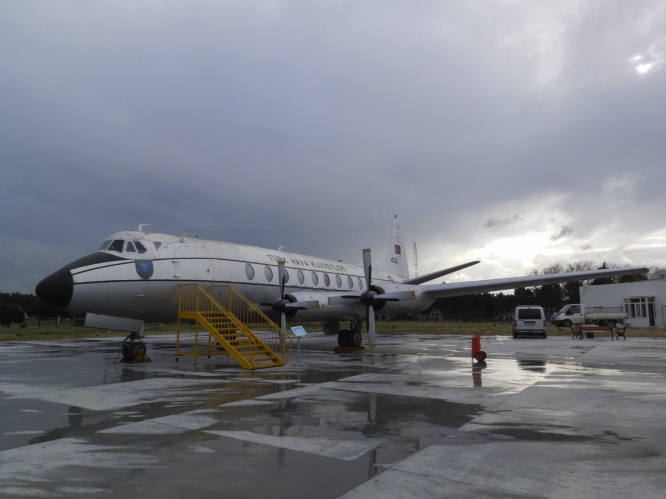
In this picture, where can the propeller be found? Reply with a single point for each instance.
(368, 298)
(282, 303)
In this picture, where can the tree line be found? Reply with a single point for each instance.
(16, 307)
(552, 297)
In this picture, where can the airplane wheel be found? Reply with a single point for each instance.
(343, 338)
(130, 350)
(331, 327)
(138, 349)
(125, 351)
(356, 339)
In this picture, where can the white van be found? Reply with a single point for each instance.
(529, 320)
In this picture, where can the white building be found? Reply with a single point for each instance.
(644, 301)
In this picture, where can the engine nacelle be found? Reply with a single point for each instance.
(391, 298)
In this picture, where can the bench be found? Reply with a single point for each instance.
(620, 329)
(589, 330)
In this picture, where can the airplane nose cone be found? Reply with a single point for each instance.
(56, 289)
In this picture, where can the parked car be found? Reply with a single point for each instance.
(529, 320)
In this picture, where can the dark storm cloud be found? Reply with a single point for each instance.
(564, 232)
(331, 117)
(492, 223)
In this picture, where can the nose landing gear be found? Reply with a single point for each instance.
(133, 349)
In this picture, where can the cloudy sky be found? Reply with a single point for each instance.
(518, 133)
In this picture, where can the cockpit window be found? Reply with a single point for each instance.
(117, 245)
(140, 247)
(130, 247)
(104, 245)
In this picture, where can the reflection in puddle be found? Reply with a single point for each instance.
(394, 426)
(534, 365)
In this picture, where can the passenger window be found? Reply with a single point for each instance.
(327, 280)
(360, 283)
(350, 282)
(117, 245)
(268, 273)
(301, 277)
(315, 278)
(249, 271)
(338, 281)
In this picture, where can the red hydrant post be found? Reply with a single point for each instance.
(477, 354)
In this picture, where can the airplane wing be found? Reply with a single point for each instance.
(472, 287)
(439, 273)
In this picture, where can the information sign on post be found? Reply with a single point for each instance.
(298, 332)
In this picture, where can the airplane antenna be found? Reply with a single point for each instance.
(141, 226)
(416, 262)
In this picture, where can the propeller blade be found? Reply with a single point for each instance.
(282, 276)
(367, 267)
(369, 311)
(371, 327)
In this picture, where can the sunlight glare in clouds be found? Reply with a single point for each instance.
(654, 58)
(644, 68)
(523, 249)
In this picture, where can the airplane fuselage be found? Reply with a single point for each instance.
(136, 275)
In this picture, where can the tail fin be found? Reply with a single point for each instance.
(395, 259)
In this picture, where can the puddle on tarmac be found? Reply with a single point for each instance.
(404, 425)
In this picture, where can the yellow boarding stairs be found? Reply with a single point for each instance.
(233, 325)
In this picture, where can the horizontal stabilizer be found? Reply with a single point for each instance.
(439, 273)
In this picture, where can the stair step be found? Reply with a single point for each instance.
(228, 335)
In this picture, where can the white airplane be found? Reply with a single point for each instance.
(133, 278)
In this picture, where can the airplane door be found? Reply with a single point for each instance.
(191, 264)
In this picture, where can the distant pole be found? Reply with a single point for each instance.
(416, 262)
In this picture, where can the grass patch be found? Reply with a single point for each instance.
(31, 331)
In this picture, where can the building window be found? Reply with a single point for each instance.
(636, 308)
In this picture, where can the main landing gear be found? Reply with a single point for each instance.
(348, 338)
(133, 349)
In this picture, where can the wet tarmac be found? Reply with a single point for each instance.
(416, 418)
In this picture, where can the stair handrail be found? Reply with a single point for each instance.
(282, 348)
(285, 341)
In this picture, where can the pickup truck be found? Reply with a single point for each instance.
(578, 313)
